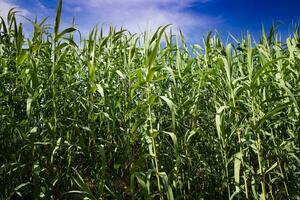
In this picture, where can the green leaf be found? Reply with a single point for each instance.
(270, 114)
(272, 167)
(262, 69)
(21, 58)
(173, 137)
(57, 18)
(64, 32)
(156, 40)
(55, 149)
(237, 168)
(100, 90)
(292, 96)
(139, 177)
(33, 130)
(28, 106)
(172, 108)
(151, 72)
(219, 122)
(83, 186)
(168, 187)
(120, 74)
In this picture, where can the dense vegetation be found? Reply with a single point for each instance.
(122, 116)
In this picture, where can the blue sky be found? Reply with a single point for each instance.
(194, 17)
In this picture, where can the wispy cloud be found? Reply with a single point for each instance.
(138, 15)
(134, 15)
(6, 5)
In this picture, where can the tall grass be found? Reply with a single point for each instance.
(121, 116)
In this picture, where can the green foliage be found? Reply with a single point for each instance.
(123, 116)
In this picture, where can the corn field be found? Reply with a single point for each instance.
(127, 116)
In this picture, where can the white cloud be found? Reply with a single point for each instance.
(134, 15)
(6, 5)
(139, 15)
